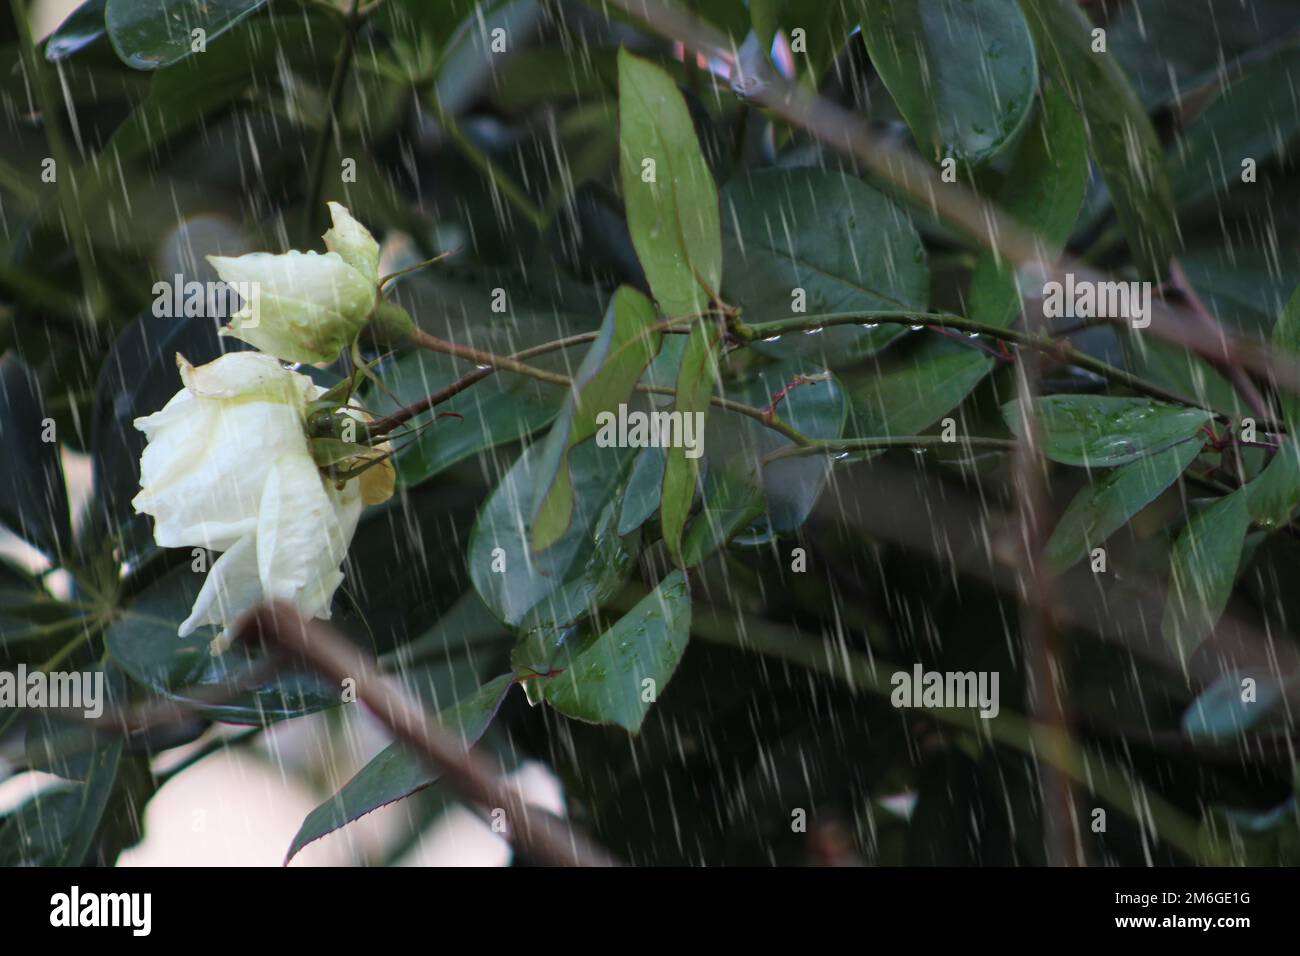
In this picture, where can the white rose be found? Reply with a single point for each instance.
(227, 467)
(306, 306)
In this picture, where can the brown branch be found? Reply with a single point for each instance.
(1038, 626)
(487, 362)
(1239, 378)
(547, 838)
(382, 426)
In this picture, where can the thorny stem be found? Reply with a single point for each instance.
(1048, 345)
(352, 23)
(488, 362)
(382, 426)
(836, 446)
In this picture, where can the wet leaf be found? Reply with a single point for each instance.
(1220, 713)
(962, 73)
(1120, 135)
(728, 507)
(1100, 430)
(623, 672)
(585, 564)
(810, 241)
(671, 200)
(1166, 50)
(1255, 114)
(1203, 568)
(1107, 504)
(1253, 838)
(695, 385)
(148, 34)
(144, 643)
(1274, 494)
(181, 96)
(395, 772)
(910, 398)
(57, 826)
(82, 27)
(1043, 190)
(500, 409)
(604, 381)
(1286, 341)
(814, 404)
(643, 489)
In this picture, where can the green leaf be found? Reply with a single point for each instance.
(1203, 568)
(1101, 430)
(57, 826)
(1255, 113)
(625, 346)
(695, 384)
(182, 95)
(467, 623)
(82, 27)
(829, 234)
(814, 404)
(1120, 134)
(502, 408)
(1166, 50)
(909, 399)
(963, 74)
(144, 643)
(606, 683)
(1043, 190)
(33, 496)
(404, 566)
(644, 486)
(395, 772)
(1106, 505)
(1244, 283)
(148, 34)
(1274, 494)
(70, 748)
(729, 506)
(561, 583)
(1180, 371)
(1286, 340)
(673, 218)
(28, 612)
